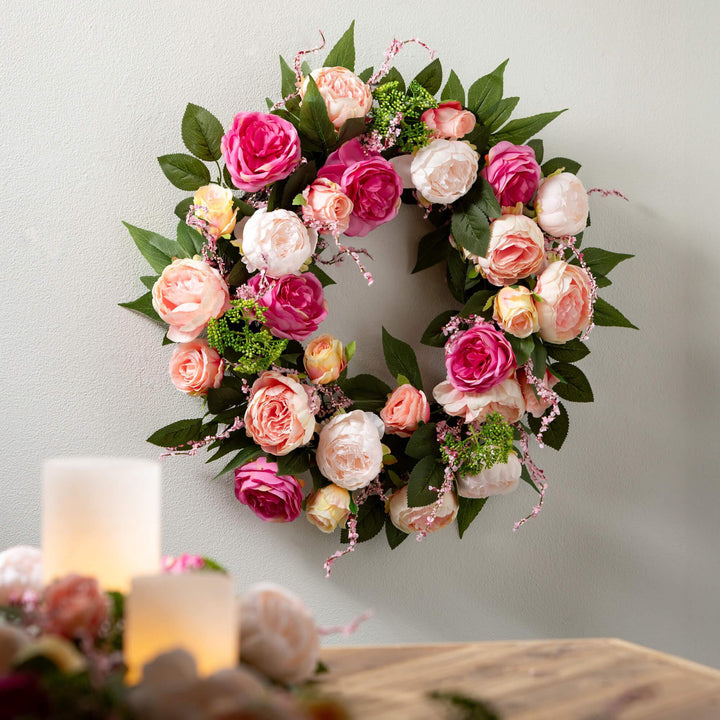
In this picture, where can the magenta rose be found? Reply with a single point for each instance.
(513, 172)
(479, 358)
(369, 181)
(259, 149)
(272, 497)
(295, 304)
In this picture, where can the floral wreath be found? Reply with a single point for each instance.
(243, 287)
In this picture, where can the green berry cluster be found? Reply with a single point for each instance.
(491, 444)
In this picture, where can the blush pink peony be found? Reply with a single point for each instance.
(566, 305)
(505, 398)
(498, 479)
(449, 120)
(444, 170)
(195, 367)
(186, 295)
(345, 94)
(259, 149)
(534, 404)
(74, 607)
(562, 205)
(513, 173)
(415, 519)
(272, 497)
(404, 410)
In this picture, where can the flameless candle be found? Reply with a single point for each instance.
(195, 611)
(101, 518)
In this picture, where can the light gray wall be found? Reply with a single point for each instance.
(627, 546)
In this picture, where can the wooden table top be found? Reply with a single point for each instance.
(588, 679)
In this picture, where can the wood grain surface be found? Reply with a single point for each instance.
(588, 679)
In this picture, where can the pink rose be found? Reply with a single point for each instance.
(259, 149)
(74, 606)
(513, 172)
(449, 120)
(325, 358)
(414, 519)
(498, 479)
(186, 295)
(327, 206)
(479, 358)
(272, 497)
(561, 205)
(515, 312)
(278, 416)
(404, 410)
(516, 250)
(369, 181)
(182, 564)
(295, 304)
(505, 398)
(195, 367)
(345, 94)
(534, 404)
(566, 304)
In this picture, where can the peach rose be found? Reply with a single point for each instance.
(505, 398)
(515, 312)
(345, 94)
(214, 204)
(74, 606)
(328, 507)
(276, 242)
(516, 250)
(195, 367)
(349, 451)
(186, 295)
(561, 205)
(327, 205)
(449, 120)
(414, 519)
(566, 302)
(324, 359)
(444, 170)
(279, 636)
(498, 479)
(404, 410)
(534, 404)
(278, 416)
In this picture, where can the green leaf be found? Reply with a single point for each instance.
(467, 511)
(522, 347)
(601, 281)
(229, 394)
(471, 230)
(393, 535)
(560, 163)
(177, 433)
(184, 171)
(350, 350)
(432, 248)
(478, 137)
(520, 130)
(366, 391)
(538, 149)
(400, 359)
(315, 128)
(183, 208)
(485, 93)
(351, 128)
(574, 386)
(602, 262)
(539, 359)
(428, 472)
(147, 243)
(453, 89)
(245, 456)
(525, 476)
(243, 208)
(149, 281)
(423, 442)
(202, 133)
(287, 74)
(370, 520)
(343, 54)
(571, 351)
(503, 110)
(430, 77)
(238, 441)
(297, 182)
(294, 463)
(366, 74)
(321, 275)
(608, 316)
(433, 335)
(394, 76)
(238, 275)
(456, 273)
(189, 239)
(556, 432)
(477, 302)
(319, 480)
(143, 305)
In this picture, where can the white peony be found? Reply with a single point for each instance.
(444, 170)
(561, 205)
(499, 479)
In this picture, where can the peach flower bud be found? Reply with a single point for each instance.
(58, 650)
(414, 519)
(345, 94)
(498, 479)
(449, 120)
(328, 507)
(404, 410)
(195, 367)
(534, 404)
(279, 636)
(505, 398)
(515, 312)
(214, 204)
(324, 359)
(561, 205)
(327, 205)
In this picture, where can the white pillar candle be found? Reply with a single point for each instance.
(101, 518)
(195, 611)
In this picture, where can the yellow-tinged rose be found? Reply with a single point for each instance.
(61, 652)
(328, 507)
(515, 311)
(325, 359)
(214, 205)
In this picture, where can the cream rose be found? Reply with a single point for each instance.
(498, 479)
(345, 94)
(195, 367)
(414, 519)
(404, 410)
(214, 204)
(324, 359)
(328, 507)
(276, 242)
(278, 416)
(327, 205)
(505, 398)
(561, 205)
(564, 311)
(515, 312)
(349, 451)
(444, 170)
